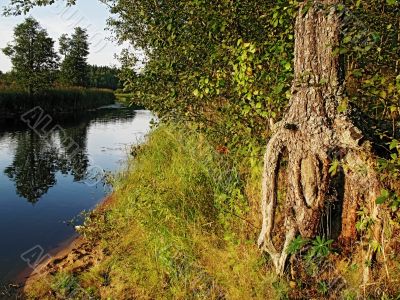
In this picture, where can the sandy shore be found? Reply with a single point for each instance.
(76, 254)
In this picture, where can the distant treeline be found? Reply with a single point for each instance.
(54, 101)
(58, 81)
(103, 77)
(37, 66)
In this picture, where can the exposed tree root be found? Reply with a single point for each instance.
(314, 135)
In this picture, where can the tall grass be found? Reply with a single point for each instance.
(58, 100)
(184, 226)
(177, 229)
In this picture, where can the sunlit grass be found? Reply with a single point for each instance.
(184, 225)
(170, 234)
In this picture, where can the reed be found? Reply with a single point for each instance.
(56, 101)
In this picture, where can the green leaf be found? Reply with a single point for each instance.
(383, 197)
(357, 73)
(376, 37)
(334, 166)
(375, 245)
(346, 39)
(393, 144)
(296, 245)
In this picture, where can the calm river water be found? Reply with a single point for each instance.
(45, 183)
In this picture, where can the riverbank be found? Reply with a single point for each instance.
(177, 230)
(54, 101)
(183, 225)
(44, 186)
(76, 254)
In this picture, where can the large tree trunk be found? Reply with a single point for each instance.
(313, 134)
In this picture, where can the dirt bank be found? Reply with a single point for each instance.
(75, 256)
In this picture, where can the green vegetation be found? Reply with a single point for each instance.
(33, 57)
(186, 218)
(124, 97)
(75, 50)
(35, 79)
(127, 99)
(178, 228)
(182, 226)
(103, 77)
(229, 67)
(54, 101)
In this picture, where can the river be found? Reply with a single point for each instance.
(45, 182)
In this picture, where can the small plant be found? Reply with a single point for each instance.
(320, 248)
(391, 166)
(323, 288)
(368, 263)
(349, 295)
(296, 245)
(281, 289)
(389, 197)
(376, 246)
(334, 168)
(365, 221)
(353, 267)
(64, 284)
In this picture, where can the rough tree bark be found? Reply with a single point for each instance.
(313, 133)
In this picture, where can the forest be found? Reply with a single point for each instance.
(60, 81)
(273, 170)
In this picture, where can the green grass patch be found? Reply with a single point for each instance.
(177, 229)
(184, 225)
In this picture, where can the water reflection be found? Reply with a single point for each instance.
(51, 174)
(34, 166)
(38, 159)
(74, 160)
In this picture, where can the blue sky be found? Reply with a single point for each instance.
(58, 19)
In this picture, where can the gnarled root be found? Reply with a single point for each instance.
(308, 183)
(269, 204)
